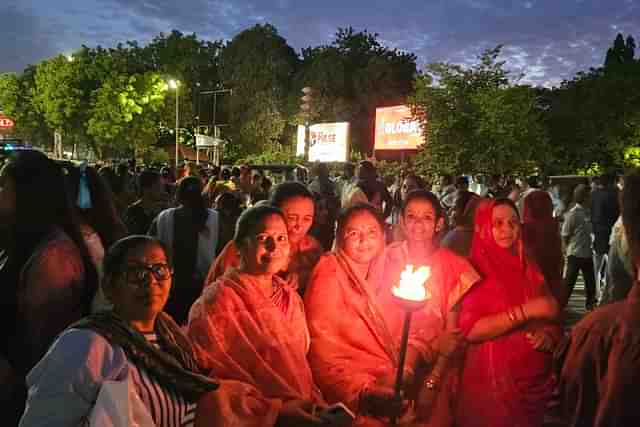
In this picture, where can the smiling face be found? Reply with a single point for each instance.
(137, 295)
(505, 226)
(268, 251)
(362, 238)
(420, 221)
(298, 212)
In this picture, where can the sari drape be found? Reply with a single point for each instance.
(241, 333)
(452, 277)
(505, 382)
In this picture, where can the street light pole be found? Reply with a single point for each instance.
(175, 84)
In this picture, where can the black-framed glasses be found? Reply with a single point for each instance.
(137, 274)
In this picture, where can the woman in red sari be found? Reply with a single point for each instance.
(249, 327)
(507, 318)
(452, 276)
(297, 204)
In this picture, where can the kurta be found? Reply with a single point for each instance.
(241, 333)
(300, 264)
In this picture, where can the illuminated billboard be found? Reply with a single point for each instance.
(396, 129)
(329, 142)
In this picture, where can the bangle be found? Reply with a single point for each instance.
(511, 315)
(524, 313)
(432, 382)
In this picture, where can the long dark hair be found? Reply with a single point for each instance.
(189, 194)
(42, 205)
(102, 216)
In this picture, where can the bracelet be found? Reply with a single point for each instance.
(432, 382)
(524, 313)
(511, 315)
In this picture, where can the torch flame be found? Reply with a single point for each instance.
(412, 284)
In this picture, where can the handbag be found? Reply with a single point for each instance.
(118, 405)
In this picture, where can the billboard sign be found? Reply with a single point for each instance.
(396, 129)
(329, 142)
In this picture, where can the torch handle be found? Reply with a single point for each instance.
(403, 352)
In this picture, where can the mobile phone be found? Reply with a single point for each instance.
(338, 415)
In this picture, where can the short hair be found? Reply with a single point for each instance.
(346, 214)
(117, 254)
(533, 181)
(427, 196)
(462, 181)
(249, 221)
(288, 190)
(580, 193)
(147, 178)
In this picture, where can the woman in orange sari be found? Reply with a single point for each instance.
(297, 204)
(508, 319)
(452, 276)
(353, 352)
(249, 327)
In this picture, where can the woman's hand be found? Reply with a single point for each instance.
(450, 342)
(542, 308)
(380, 401)
(541, 340)
(296, 413)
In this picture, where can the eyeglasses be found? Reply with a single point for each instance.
(138, 274)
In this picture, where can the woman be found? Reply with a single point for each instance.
(452, 277)
(249, 325)
(296, 202)
(410, 183)
(506, 379)
(458, 239)
(190, 232)
(47, 277)
(354, 350)
(541, 238)
(135, 341)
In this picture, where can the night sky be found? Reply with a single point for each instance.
(548, 40)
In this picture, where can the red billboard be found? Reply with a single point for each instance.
(396, 129)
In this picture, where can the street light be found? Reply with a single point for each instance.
(175, 84)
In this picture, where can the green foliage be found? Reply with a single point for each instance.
(477, 121)
(257, 65)
(273, 155)
(124, 113)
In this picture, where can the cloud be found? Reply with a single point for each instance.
(546, 40)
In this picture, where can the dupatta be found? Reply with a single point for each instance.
(505, 382)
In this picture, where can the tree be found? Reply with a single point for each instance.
(353, 76)
(258, 66)
(124, 113)
(476, 121)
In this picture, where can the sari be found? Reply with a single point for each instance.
(352, 344)
(300, 265)
(505, 382)
(452, 277)
(243, 335)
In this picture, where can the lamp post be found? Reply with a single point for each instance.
(175, 84)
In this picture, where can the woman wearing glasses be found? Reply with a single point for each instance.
(136, 341)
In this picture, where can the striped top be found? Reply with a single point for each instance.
(166, 408)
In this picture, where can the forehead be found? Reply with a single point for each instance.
(420, 205)
(271, 224)
(144, 253)
(299, 205)
(503, 212)
(362, 219)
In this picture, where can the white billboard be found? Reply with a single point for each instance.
(329, 142)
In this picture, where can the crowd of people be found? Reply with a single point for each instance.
(222, 300)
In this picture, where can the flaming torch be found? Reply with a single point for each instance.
(411, 294)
